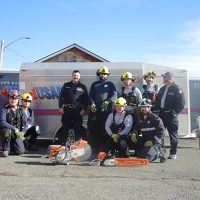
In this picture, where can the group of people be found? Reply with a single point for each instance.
(118, 121)
(17, 129)
(138, 120)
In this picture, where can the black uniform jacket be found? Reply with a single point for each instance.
(73, 94)
(175, 100)
(151, 128)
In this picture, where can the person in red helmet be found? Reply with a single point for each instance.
(11, 125)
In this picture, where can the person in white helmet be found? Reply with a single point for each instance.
(147, 136)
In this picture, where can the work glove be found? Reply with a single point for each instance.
(93, 108)
(148, 143)
(134, 137)
(19, 134)
(115, 137)
(104, 105)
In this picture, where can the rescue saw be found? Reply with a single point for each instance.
(58, 154)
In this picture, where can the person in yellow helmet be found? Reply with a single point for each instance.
(149, 89)
(29, 129)
(101, 97)
(132, 94)
(118, 126)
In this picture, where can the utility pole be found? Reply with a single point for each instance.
(2, 48)
(1, 53)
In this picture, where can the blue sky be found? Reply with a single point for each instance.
(165, 32)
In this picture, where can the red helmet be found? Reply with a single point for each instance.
(13, 94)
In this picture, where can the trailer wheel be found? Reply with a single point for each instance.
(70, 139)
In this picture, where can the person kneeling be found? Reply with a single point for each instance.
(11, 126)
(148, 136)
(30, 130)
(118, 126)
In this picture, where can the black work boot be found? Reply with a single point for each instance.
(32, 148)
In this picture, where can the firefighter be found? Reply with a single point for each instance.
(147, 136)
(132, 94)
(73, 103)
(11, 124)
(150, 90)
(170, 101)
(30, 130)
(118, 126)
(101, 97)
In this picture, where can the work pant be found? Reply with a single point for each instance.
(151, 153)
(70, 116)
(171, 124)
(32, 133)
(10, 142)
(96, 130)
(119, 149)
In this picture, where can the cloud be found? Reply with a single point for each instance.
(183, 51)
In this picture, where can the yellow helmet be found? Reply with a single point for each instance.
(103, 70)
(120, 102)
(127, 75)
(26, 96)
(149, 73)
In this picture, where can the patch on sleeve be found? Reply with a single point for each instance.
(180, 91)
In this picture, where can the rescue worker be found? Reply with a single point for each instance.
(73, 103)
(118, 126)
(132, 94)
(30, 130)
(147, 136)
(11, 124)
(150, 90)
(102, 95)
(170, 101)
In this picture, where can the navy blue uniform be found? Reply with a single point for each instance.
(73, 98)
(174, 103)
(100, 91)
(9, 121)
(151, 129)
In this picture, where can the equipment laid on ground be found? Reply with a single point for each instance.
(58, 154)
(106, 159)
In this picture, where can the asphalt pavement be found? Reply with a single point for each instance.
(28, 177)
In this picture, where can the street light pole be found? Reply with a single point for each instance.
(2, 48)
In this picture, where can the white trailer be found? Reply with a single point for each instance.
(45, 80)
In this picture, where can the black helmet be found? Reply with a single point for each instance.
(145, 103)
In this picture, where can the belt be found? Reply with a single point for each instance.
(69, 106)
(165, 111)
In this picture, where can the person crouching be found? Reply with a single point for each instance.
(118, 126)
(147, 137)
(30, 130)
